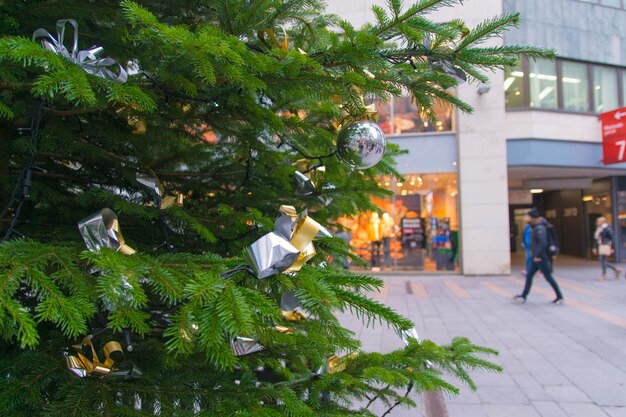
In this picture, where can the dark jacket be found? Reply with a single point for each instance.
(539, 241)
(606, 237)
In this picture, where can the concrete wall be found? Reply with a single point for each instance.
(483, 190)
(576, 29)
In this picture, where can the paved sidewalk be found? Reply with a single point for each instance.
(567, 360)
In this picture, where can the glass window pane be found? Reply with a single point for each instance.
(513, 91)
(605, 89)
(542, 75)
(575, 86)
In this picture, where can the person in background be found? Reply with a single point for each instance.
(540, 258)
(526, 244)
(603, 246)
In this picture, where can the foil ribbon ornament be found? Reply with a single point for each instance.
(242, 346)
(86, 59)
(408, 334)
(304, 185)
(102, 230)
(290, 307)
(339, 363)
(288, 247)
(303, 177)
(137, 123)
(156, 190)
(86, 361)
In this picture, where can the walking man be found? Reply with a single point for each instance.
(540, 258)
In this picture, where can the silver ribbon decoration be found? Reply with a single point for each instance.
(88, 59)
(411, 333)
(242, 346)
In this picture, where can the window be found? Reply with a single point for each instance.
(575, 86)
(542, 75)
(403, 116)
(605, 89)
(513, 87)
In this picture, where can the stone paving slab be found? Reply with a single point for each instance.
(567, 360)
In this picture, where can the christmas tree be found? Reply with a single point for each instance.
(190, 126)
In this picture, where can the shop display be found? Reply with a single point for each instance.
(417, 229)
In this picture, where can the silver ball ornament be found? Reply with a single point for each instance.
(361, 144)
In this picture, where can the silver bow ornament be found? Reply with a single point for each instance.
(88, 59)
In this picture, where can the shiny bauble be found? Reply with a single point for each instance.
(361, 144)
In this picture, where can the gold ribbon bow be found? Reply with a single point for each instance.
(137, 123)
(339, 363)
(293, 315)
(124, 248)
(171, 200)
(304, 166)
(284, 45)
(302, 239)
(82, 366)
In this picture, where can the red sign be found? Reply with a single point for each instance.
(614, 136)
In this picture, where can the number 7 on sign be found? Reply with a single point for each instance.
(622, 147)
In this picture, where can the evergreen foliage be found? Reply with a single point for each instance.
(206, 69)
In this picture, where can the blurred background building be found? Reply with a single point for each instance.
(534, 140)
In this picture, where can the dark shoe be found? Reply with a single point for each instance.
(519, 299)
(557, 301)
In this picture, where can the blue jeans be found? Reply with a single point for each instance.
(544, 267)
(604, 263)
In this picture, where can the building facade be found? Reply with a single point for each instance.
(468, 179)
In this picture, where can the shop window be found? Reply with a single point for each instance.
(513, 87)
(605, 89)
(402, 116)
(575, 86)
(415, 229)
(543, 85)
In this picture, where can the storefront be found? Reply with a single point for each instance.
(415, 229)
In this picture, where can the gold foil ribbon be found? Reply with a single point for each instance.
(339, 363)
(82, 366)
(171, 200)
(124, 248)
(137, 123)
(302, 239)
(293, 315)
(284, 329)
(288, 211)
(284, 45)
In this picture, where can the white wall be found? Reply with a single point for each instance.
(553, 125)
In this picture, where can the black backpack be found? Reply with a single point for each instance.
(553, 240)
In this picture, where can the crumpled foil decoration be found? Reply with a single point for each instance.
(411, 333)
(102, 229)
(156, 191)
(242, 346)
(288, 247)
(87, 59)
